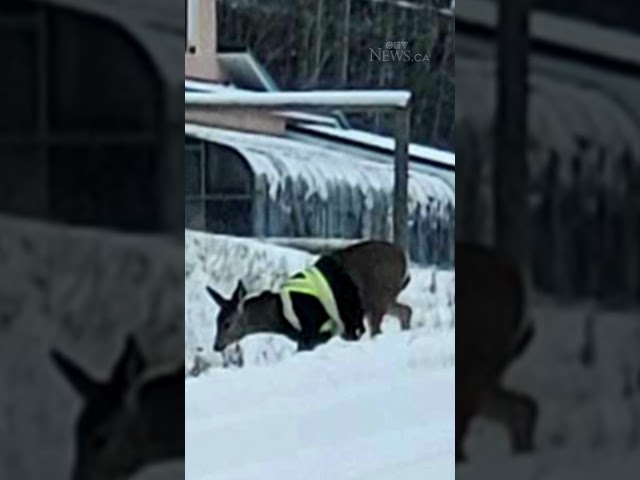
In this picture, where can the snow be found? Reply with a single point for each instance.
(328, 98)
(418, 151)
(339, 412)
(278, 158)
(381, 408)
(589, 424)
(337, 193)
(220, 261)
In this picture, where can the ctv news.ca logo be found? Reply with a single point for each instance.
(396, 52)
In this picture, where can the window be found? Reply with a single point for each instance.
(218, 189)
(80, 121)
(19, 51)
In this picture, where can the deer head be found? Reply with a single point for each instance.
(230, 322)
(107, 432)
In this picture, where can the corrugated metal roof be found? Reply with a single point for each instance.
(422, 152)
(278, 158)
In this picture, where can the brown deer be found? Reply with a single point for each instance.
(128, 422)
(491, 334)
(365, 280)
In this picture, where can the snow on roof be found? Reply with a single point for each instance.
(386, 143)
(277, 158)
(320, 98)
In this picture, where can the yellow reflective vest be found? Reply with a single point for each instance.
(312, 282)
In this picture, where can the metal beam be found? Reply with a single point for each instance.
(345, 99)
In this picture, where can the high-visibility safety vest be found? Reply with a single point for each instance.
(311, 282)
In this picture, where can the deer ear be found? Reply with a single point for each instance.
(130, 365)
(219, 299)
(82, 383)
(240, 292)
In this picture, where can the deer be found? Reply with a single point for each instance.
(364, 280)
(492, 334)
(128, 421)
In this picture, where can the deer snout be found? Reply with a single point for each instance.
(218, 347)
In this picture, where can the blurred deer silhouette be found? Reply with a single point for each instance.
(491, 334)
(128, 421)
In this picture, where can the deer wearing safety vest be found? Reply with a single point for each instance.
(491, 334)
(328, 299)
(128, 421)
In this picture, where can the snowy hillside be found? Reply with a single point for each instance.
(383, 409)
(375, 409)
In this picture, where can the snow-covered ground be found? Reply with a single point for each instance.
(383, 409)
(375, 409)
(589, 397)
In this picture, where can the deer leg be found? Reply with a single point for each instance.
(462, 426)
(375, 322)
(517, 412)
(471, 390)
(233, 356)
(403, 313)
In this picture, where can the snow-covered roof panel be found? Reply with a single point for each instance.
(319, 167)
(366, 138)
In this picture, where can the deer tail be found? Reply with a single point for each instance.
(527, 334)
(407, 273)
(405, 282)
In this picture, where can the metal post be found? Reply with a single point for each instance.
(401, 184)
(510, 186)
